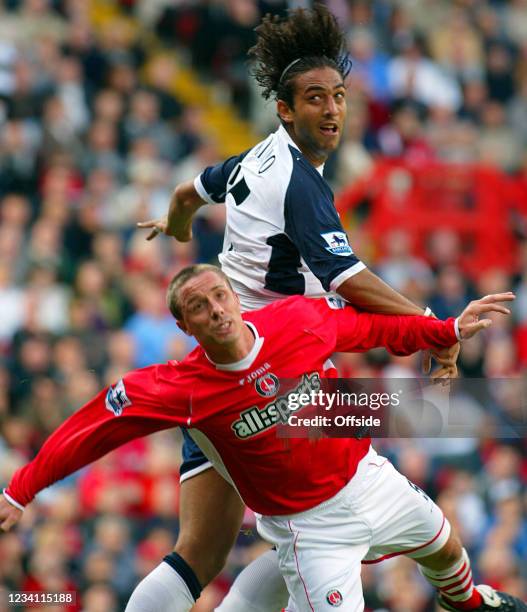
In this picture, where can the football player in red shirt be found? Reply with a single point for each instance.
(326, 504)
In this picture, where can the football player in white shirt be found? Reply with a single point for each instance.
(283, 237)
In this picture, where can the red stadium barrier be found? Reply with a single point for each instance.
(478, 202)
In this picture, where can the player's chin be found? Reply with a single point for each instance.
(329, 142)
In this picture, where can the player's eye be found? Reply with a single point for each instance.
(196, 307)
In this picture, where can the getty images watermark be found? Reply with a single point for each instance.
(329, 403)
(396, 407)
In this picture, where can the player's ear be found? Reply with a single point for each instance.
(284, 111)
(183, 327)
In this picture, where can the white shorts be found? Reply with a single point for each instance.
(377, 515)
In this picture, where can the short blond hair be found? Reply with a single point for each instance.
(174, 288)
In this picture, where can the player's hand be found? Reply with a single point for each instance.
(447, 358)
(469, 321)
(158, 226)
(9, 515)
(427, 361)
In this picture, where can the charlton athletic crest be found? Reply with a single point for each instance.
(334, 598)
(267, 385)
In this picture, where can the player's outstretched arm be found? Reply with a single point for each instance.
(404, 335)
(184, 203)
(131, 409)
(368, 292)
(9, 514)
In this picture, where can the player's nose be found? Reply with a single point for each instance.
(331, 108)
(216, 309)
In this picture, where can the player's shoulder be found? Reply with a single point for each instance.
(152, 377)
(193, 363)
(306, 182)
(173, 371)
(271, 159)
(295, 310)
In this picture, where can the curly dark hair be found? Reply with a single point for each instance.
(285, 48)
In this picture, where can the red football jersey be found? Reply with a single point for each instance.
(231, 409)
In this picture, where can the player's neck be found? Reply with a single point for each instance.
(232, 352)
(315, 158)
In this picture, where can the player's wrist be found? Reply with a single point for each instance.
(458, 329)
(12, 501)
(429, 313)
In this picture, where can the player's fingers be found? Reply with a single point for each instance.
(8, 523)
(444, 362)
(427, 362)
(439, 373)
(473, 328)
(508, 296)
(445, 370)
(481, 308)
(443, 375)
(440, 377)
(442, 370)
(149, 223)
(154, 233)
(446, 359)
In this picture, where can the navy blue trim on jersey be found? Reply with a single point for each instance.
(183, 569)
(313, 225)
(193, 456)
(240, 192)
(214, 178)
(282, 270)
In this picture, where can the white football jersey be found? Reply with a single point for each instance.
(283, 235)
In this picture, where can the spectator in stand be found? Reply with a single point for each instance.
(355, 156)
(152, 327)
(412, 75)
(144, 121)
(517, 112)
(451, 291)
(475, 94)
(457, 46)
(499, 72)
(70, 88)
(498, 144)
(19, 144)
(103, 140)
(369, 64)
(162, 73)
(403, 271)
(100, 597)
(403, 136)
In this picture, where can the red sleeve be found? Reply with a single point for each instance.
(400, 334)
(131, 408)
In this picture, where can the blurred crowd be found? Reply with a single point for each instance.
(88, 147)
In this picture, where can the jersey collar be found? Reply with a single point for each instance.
(248, 360)
(283, 135)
